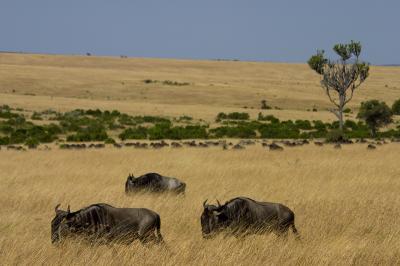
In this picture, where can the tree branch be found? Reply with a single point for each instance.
(335, 112)
(327, 90)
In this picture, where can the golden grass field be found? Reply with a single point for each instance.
(346, 201)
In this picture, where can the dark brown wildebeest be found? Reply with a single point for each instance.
(238, 147)
(117, 145)
(244, 216)
(265, 144)
(103, 222)
(155, 183)
(176, 145)
(304, 141)
(371, 147)
(203, 145)
(275, 147)
(318, 143)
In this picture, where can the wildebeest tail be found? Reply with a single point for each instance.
(181, 188)
(295, 232)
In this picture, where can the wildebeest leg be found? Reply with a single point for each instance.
(147, 235)
(283, 231)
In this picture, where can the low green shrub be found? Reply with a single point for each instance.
(93, 132)
(36, 116)
(285, 129)
(232, 116)
(31, 142)
(396, 107)
(270, 118)
(4, 140)
(303, 124)
(232, 132)
(134, 133)
(109, 141)
(335, 136)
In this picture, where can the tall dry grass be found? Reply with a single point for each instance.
(346, 204)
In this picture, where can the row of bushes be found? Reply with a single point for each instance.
(165, 131)
(303, 129)
(18, 130)
(232, 116)
(93, 125)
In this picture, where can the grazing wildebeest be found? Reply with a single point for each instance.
(238, 147)
(203, 145)
(176, 145)
(290, 143)
(246, 216)
(275, 147)
(117, 145)
(371, 147)
(337, 146)
(154, 182)
(103, 222)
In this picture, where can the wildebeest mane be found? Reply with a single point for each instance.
(148, 179)
(94, 218)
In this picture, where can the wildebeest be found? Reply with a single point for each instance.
(238, 147)
(246, 216)
(371, 147)
(155, 183)
(103, 222)
(176, 145)
(117, 145)
(337, 146)
(275, 147)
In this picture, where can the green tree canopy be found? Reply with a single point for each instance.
(375, 114)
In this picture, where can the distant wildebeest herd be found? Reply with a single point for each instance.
(104, 223)
(275, 145)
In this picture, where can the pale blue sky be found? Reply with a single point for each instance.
(284, 30)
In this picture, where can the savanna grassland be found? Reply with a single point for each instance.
(346, 204)
(346, 200)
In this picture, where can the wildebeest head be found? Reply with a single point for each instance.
(58, 224)
(130, 181)
(211, 219)
(63, 223)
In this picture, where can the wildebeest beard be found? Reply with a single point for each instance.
(58, 228)
(212, 220)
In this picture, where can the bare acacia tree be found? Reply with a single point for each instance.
(342, 77)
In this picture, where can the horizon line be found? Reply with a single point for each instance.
(89, 54)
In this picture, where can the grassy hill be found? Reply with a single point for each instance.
(345, 200)
(38, 82)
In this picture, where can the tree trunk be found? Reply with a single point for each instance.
(340, 111)
(341, 119)
(373, 131)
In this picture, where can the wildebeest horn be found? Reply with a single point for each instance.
(204, 203)
(68, 210)
(56, 208)
(219, 204)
